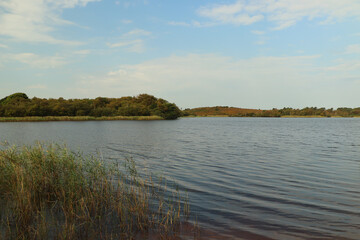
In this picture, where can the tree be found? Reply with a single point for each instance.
(14, 97)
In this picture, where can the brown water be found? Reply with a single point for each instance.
(247, 178)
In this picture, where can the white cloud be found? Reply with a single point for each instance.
(233, 13)
(198, 80)
(37, 61)
(136, 45)
(284, 13)
(3, 46)
(345, 67)
(125, 43)
(353, 49)
(136, 32)
(33, 21)
(132, 41)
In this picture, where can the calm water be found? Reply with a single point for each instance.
(246, 177)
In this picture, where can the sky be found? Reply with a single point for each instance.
(260, 54)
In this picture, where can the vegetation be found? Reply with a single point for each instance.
(77, 118)
(285, 112)
(219, 111)
(48, 192)
(19, 105)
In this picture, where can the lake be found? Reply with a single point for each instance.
(251, 178)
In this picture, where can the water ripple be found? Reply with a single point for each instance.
(247, 178)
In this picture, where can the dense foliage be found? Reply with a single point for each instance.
(290, 112)
(19, 105)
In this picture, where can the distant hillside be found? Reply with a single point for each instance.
(20, 105)
(219, 111)
(285, 112)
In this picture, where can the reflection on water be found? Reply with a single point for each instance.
(246, 177)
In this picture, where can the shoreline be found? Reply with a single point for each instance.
(285, 116)
(78, 118)
(136, 118)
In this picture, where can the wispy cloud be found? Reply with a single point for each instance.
(232, 13)
(246, 81)
(136, 45)
(34, 21)
(136, 32)
(353, 49)
(283, 13)
(37, 61)
(132, 41)
(345, 67)
(3, 46)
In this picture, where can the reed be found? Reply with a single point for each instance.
(49, 192)
(78, 118)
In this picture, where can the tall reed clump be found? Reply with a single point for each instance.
(49, 192)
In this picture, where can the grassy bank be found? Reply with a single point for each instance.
(285, 116)
(77, 118)
(193, 116)
(48, 192)
(316, 116)
(310, 116)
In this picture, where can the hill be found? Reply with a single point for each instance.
(221, 111)
(285, 112)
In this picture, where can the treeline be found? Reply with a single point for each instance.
(20, 105)
(290, 112)
(313, 111)
(220, 110)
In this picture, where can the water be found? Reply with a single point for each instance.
(246, 177)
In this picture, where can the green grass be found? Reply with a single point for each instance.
(49, 192)
(77, 118)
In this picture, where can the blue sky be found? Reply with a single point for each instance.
(253, 54)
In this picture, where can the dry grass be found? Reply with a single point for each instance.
(298, 116)
(77, 118)
(48, 192)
